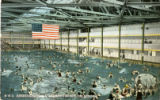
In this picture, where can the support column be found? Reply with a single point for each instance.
(11, 39)
(102, 42)
(119, 43)
(33, 43)
(40, 44)
(49, 44)
(23, 42)
(88, 42)
(61, 40)
(54, 44)
(78, 41)
(142, 53)
(68, 40)
(44, 43)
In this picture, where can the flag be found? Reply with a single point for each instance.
(45, 31)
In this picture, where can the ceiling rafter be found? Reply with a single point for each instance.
(59, 10)
(78, 13)
(85, 11)
(132, 5)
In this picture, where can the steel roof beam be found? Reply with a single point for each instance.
(29, 21)
(14, 10)
(11, 23)
(19, 1)
(94, 17)
(112, 22)
(63, 16)
(143, 4)
(85, 11)
(123, 10)
(131, 17)
(58, 10)
(114, 2)
(20, 5)
(97, 18)
(57, 21)
(9, 14)
(42, 4)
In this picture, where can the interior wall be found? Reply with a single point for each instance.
(20, 39)
(130, 42)
(78, 42)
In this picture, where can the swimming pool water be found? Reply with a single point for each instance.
(32, 61)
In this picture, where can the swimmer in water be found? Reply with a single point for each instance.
(129, 64)
(109, 65)
(87, 70)
(41, 68)
(4, 70)
(29, 91)
(91, 92)
(104, 86)
(110, 75)
(31, 83)
(22, 76)
(98, 77)
(16, 59)
(122, 79)
(74, 79)
(23, 88)
(54, 66)
(126, 91)
(73, 74)
(12, 89)
(115, 93)
(146, 69)
(94, 84)
(67, 74)
(79, 82)
(73, 90)
(27, 66)
(83, 92)
(17, 67)
(79, 71)
(39, 79)
(134, 72)
(59, 73)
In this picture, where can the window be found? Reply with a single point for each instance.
(82, 39)
(138, 52)
(91, 40)
(85, 30)
(132, 51)
(153, 53)
(149, 53)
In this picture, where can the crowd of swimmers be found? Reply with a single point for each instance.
(116, 94)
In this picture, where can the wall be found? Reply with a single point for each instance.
(77, 42)
(130, 42)
(20, 39)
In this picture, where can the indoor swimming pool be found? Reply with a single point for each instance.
(54, 73)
